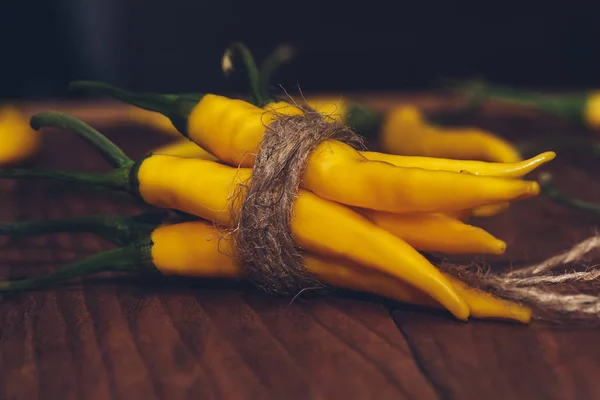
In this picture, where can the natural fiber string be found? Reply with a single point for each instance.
(567, 295)
(574, 254)
(262, 238)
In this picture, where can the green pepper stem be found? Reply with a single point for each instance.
(175, 107)
(474, 104)
(118, 179)
(121, 259)
(148, 101)
(570, 106)
(281, 54)
(113, 154)
(549, 190)
(251, 68)
(117, 229)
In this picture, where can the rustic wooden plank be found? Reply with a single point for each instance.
(499, 361)
(367, 324)
(17, 352)
(231, 376)
(345, 347)
(92, 377)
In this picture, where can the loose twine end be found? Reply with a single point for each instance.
(554, 289)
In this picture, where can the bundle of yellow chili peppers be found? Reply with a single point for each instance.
(363, 219)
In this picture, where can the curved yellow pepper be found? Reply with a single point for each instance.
(406, 132)
(212, 257)
(483, 168)
(18, 141)
(437, 232)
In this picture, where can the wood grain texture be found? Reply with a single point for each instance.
(127, 338)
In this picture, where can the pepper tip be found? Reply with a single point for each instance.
(499, 247)
(531, 189)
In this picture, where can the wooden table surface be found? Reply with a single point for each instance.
(126, 339)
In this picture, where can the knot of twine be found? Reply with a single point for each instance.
(263, 239)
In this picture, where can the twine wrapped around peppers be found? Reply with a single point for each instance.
(273, 261)
(262, 228)
(262, 238)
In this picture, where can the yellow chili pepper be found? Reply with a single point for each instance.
(19, 143)
(197, 249)
(204, 188)
(499, 169)
(507, 170)
(381, 186)
(406, 132)
(437, 232)
(232, 130)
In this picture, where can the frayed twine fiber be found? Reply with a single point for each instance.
(262, 213)
(554, 295)
(262, 236)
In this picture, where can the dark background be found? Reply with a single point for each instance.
(352, 46)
